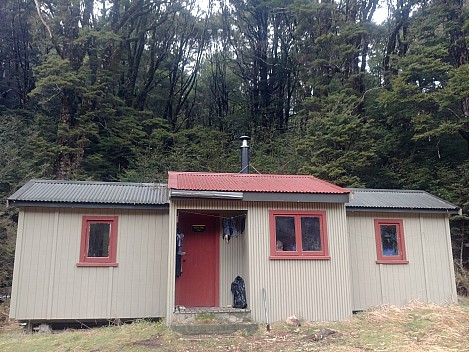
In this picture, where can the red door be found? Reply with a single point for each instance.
(198, 284)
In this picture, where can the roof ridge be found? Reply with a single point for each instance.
(196, 173)
(384, 190)
(91, 182)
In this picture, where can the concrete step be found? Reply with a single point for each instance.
(215, 329)
(212, 320)
(184, 315)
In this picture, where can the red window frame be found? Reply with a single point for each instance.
(390, 259)
(110, 260)
(299, 253)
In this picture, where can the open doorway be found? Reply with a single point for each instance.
(197, 284)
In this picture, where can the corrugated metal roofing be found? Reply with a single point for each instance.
(397, 199)
(150, 194)
(196, 181)
(91, 192)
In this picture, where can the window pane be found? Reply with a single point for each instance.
(389, 240)
(98, 243)
(285, 233)
(311, 234)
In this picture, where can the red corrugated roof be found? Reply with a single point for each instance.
(224, 182)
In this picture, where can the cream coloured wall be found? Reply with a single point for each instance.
(311, 289)
(428, 276)
(232, 257)
(314, 290)
(50, 286)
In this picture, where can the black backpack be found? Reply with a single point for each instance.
(239, 293)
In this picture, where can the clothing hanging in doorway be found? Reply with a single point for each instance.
(229, 229)
(233, 227)
(179, 253)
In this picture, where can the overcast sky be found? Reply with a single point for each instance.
(379, 15)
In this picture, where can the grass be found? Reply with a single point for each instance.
(415, 327)
(111, 338)
(205, 318)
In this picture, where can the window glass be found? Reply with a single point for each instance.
(311, 234)
(298, 234)
(285, 233)
(389, 240)
(98, 243)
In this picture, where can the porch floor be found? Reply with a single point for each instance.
(209, 310)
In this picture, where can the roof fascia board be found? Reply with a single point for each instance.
(176, 193)
(296, 197)
(402, 210)
(19, 204)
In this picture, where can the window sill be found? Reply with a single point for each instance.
(96, 264)
(299, 257)
(390, 261)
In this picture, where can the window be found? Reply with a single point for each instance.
(98, 241)
(298, 235)
(390, 246)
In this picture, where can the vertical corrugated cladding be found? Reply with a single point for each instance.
(171, 262)
(246, 260)
(428, 275)
(365, 273)
(49, 285)
(17, 273)
(310, 289)
(437, 249)
(31, 289)
(77, 293)
(454, 293)
(139, 282)
(231, 265)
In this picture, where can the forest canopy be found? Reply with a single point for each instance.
(125, 90)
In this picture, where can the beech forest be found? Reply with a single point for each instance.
(361, 93)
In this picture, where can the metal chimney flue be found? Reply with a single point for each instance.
(244, 154)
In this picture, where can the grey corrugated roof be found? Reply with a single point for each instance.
(398, 200)
(115, 193)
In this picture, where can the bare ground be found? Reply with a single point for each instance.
(415, 327)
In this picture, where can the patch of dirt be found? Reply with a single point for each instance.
(3, 313)
(154, 341)
(5, 323)
(280, 338)
(10, 326)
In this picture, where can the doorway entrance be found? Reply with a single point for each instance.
(198, 284)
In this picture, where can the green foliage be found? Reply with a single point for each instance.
(274, 152)
(339, 146)
(433, 82)
(196, 149)
(136, 89)
(16, 167)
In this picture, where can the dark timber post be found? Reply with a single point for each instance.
(244, 155)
